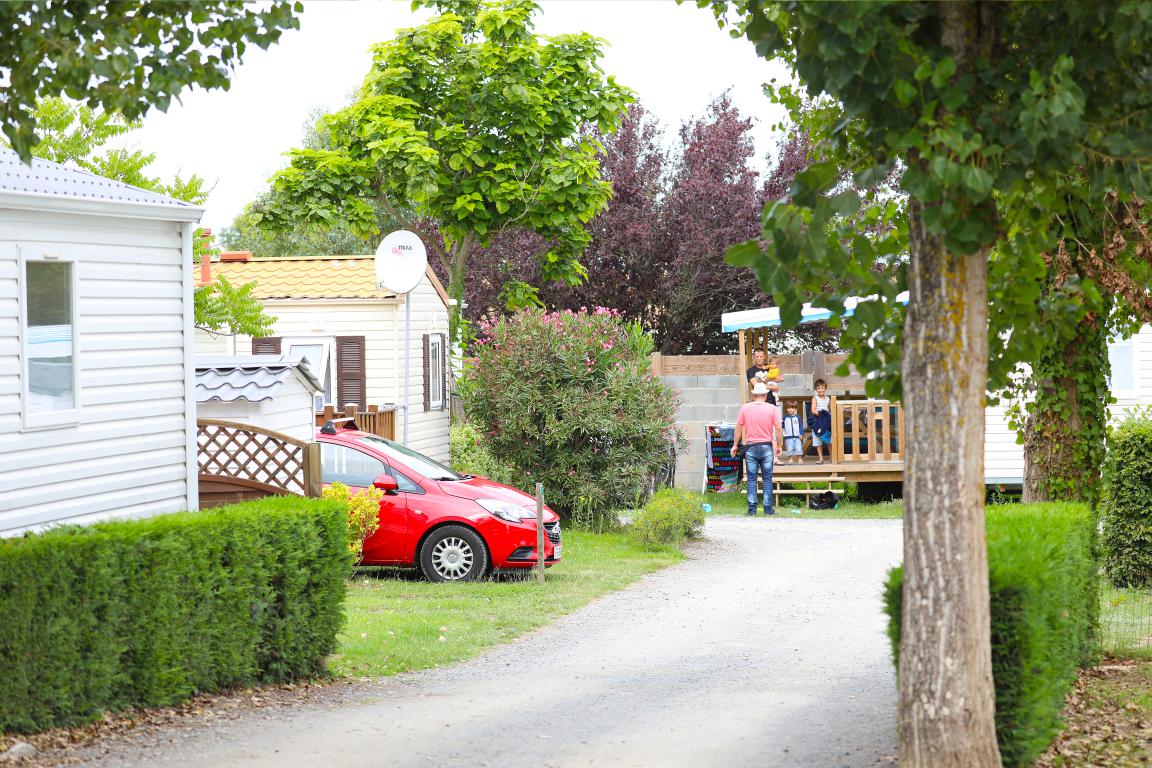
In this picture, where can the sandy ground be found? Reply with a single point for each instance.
(766, 648)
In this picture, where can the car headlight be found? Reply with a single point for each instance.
(512, 513)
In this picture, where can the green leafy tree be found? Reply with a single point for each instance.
(467, 125)
(123, 56)
(568, 399)
(982, 103)
(76, 135)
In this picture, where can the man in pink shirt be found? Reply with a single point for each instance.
(759, 424)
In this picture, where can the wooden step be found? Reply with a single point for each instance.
(805, 479)
(805, 491)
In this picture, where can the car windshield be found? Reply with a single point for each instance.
(433, 470)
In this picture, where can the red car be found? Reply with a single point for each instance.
(452, 527)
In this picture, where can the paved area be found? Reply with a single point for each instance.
(766, 648)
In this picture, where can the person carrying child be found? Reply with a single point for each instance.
(765, 372)
(821, 420)
(793, 445)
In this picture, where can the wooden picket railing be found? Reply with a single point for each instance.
(867, 430)
(238, 461)
(377, 419)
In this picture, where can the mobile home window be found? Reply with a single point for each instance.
(436, 371)
(1120, 358)
(49, 341)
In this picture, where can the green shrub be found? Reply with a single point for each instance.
(1045, 603)
(1127, 503)
(569, 400)
(471, 456)
(148, 612)
(669, 517)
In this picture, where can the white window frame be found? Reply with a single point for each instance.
(435, 378)
(1132, 346)
(31, 420)
(329, 344)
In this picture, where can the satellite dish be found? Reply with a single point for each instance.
(400, 261)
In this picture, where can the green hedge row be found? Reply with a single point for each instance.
(1044, 580)
(669, 517)
(1127, 503)
(148, 612)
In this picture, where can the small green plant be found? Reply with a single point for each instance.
(363, 514)
(671, 516)
(1127, 502)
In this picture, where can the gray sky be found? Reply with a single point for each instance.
(673, 56)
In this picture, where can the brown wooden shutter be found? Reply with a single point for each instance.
(351, 384)
(427, 373)
(269, 345)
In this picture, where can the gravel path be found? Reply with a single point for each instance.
(766, 648)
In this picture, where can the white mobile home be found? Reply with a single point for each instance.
(97, 416)
(1131, 384)
(329, 311)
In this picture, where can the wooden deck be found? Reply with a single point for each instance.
(851, 471)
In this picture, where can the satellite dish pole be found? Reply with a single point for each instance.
(400, 264)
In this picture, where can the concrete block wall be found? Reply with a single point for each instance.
(704, 399)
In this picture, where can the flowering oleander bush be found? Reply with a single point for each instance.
(569, 400)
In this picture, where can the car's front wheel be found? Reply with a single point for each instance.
(453, 553)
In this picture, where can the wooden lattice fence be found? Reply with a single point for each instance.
(240, 461)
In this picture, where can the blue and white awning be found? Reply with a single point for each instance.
(770, 316)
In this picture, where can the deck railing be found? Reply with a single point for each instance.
(867, 430)
(377, 419)
(238, 461)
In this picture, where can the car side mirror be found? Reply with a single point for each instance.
(386, 483)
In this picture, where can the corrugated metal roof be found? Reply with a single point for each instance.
(254, 378)
(325, 277)
(45, 178)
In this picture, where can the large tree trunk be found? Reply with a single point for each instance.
(947, 701)
(1065, 431)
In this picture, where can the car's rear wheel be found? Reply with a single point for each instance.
(453, 553)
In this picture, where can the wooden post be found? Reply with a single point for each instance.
(837, 444)
(657, 364)
(743, 368)
(540, 532)
(350, 410)
(312, 475)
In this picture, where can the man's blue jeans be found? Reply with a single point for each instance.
(758, 459)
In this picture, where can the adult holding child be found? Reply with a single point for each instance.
(758, 424)
(765, 372)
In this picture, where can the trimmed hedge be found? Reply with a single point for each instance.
(148, 612)
(669, 517)
(1127, 503)
(1045, 602)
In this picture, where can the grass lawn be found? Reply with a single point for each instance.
(397, 623)
(737, 504)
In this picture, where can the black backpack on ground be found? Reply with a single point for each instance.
(826, 500)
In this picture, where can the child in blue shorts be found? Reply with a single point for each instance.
(821, 419)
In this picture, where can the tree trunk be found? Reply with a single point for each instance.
(1065, 432)
(947, 700)
(460, 253)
